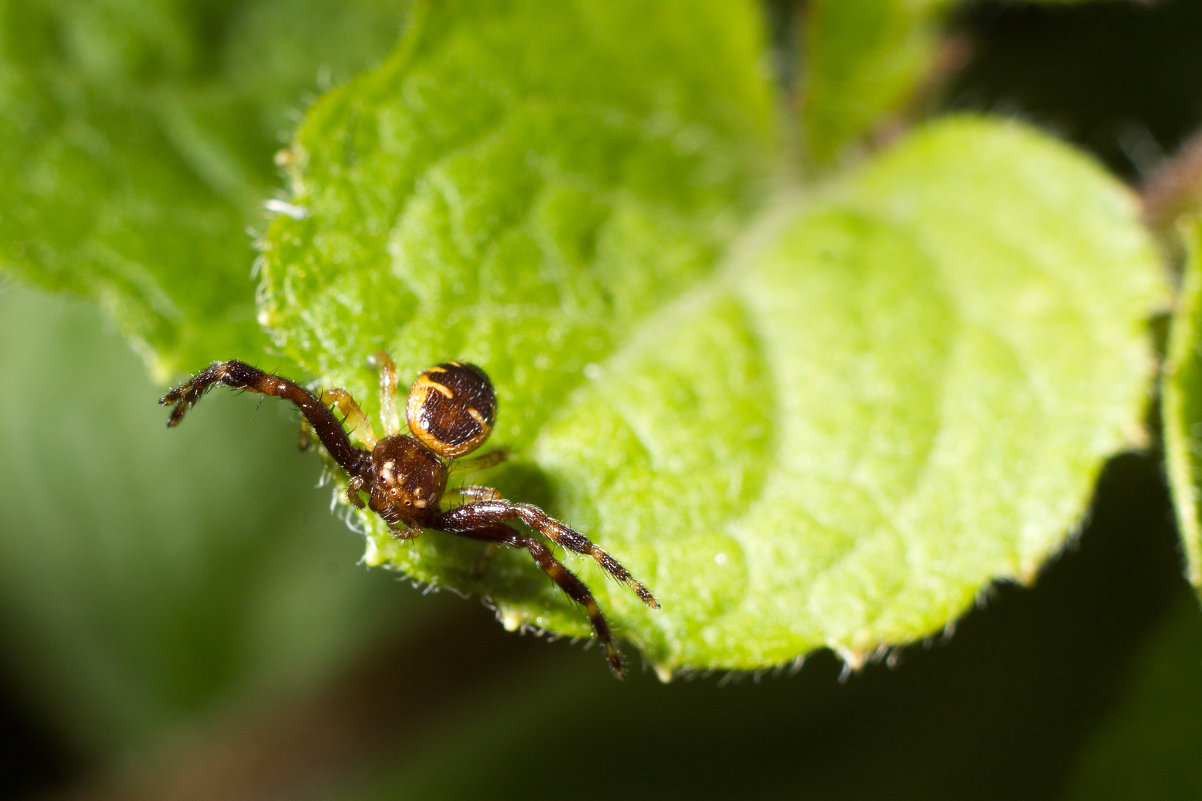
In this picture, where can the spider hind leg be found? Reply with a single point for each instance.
(494, 508)
(566, 579)
(388, 383)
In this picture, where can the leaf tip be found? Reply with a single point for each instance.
(853, 659)
(511, 619)
(664, 672)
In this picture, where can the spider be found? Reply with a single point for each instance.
(450, 412)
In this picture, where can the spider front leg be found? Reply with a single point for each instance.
(239, 375)
(496, 533)
(495, 509)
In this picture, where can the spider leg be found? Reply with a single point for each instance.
(305, 436)
(566, 579)
(239, 375)
(481, 494)
(352, 415)
(485, 558)
(388, 412)
(497, 509)
(353, 488)
(404, 534)
(478, 463)
(477, 493)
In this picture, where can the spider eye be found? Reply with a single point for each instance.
(451, 408)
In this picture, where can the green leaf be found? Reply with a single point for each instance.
(523, 190)
(1182, 408)
(908, 393)
(832, 427)
(135, 150)
(511, 175)
(863, 66)
(129, 601)
(957, 344)
(1148, 741)
(863, 62)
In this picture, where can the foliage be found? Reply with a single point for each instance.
(806, 412)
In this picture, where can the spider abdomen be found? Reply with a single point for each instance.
(451, 408)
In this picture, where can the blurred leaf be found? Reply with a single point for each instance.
(863, 61)
(1149, 743)
(1182, 411)
(136, 139)
(147, 575)
(833, 430)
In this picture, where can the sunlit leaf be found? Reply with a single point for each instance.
(832, 425)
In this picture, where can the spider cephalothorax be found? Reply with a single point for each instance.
(450, 412)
